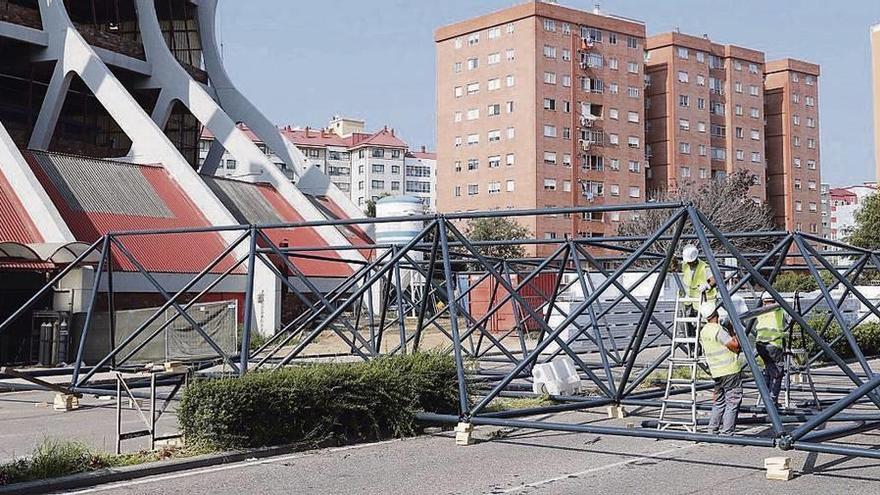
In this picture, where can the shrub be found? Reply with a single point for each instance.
(867, 336)
(51, 459)
(317, 403)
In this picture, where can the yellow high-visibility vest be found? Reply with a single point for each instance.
(721, 360)
(693, 278)
(771, 327)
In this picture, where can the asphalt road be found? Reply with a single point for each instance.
(520, 461)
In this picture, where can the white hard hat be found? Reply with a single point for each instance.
(707, 309)
(689, 253)
(765, 296)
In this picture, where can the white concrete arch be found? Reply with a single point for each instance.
(177, 85)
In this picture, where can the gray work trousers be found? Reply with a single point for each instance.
(726, 400)
(774, 367)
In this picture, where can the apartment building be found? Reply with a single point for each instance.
(363, 165)
(704, 111)
(541, 106)
(791, 90)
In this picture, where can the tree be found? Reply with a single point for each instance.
(866, 231)
(727, 204)
(370, 209)
(498, 229)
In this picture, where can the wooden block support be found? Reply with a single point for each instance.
(65, 402)
(778, 468)
(616, 412)
(464, 434)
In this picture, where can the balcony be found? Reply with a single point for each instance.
(100, 37)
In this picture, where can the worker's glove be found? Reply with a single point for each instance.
(704, 287)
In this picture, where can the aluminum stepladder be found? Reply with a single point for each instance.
(684, 353)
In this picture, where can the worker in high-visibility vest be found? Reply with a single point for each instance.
(722, 355)
(769, 343)
(696, 276)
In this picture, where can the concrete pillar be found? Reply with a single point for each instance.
(267, 300)
(56, 93)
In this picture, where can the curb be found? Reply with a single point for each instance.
(110, 475)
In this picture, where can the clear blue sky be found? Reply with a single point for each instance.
(302, 62)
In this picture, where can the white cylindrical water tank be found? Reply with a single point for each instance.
(398, 233)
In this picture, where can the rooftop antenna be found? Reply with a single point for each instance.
(597, 8)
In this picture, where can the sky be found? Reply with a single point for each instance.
(303, 62)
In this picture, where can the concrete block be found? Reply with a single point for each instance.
(777, 463)
(464, 434)
(64, 402)
(616, 412)
(779, 474)
(170, 443)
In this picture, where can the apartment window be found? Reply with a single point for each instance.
(457, 192)
(473, 63)
(511, 185)
(612, 38)
(613, 63)
(509, 106)
(756, 157)
(595, 61)
(797, 163)
(738, 87)
(613, 88)
(592, 84)
(510, 81)
(378, 168)
(753, 68)
(795, 98)
(632, 67)
(810, 101)
(458, 43)
(634, 166)
(395, 185)
(811, 122)
(613, 164)
(809, 80)
(473, 39)
(549, 184)
(701, 103)
(458, 165)
(457, 142)
(739, 132)
(798, 206)
(682, 76)
(684, 148)
(632, 92)
(510, 54)
(549, 104)
(458, 91)
(613, 139)
(473, 189)
(566, 55)
(378, 153)
(550, 25)
(377, 184)
(494, 33)
(595, 162)
(613, 114)
(814, 207)
(457, 117)
(684, 100)
(549, 51)
(738, 110)
(754, 113)
(718, 154)
(635, 192)
(493, 110)
(494, 135)
(704, 173)
(566, 106)
(614, 189)
(473, 114)
(510, 28)
(494, 84)
(796, 141)
(550, 78)
(360, 185)
(716, 86)
(685, 172)
(566, 133)
(716, 62)
(717, 108)
(510, 133)
(511, 159)
(494, 58)
(456, 67)
(701, 127)
(566, 160)
(230, 164)
(718, 130)
(701, 149)
(494, 188)
(683, 53)
(684, 124)
(473, 88)
(740, 155)
(755, 135)
(566, 81)
(633, 142)
(550, 157)
(811, 143)
(633, 117)
(811, 185)
(473, 139)
(797, 184)
(811, 164)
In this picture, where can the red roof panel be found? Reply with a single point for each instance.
(15, 223)
(169, 253)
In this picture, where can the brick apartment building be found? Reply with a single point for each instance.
(539, 106)
(792, 115)
(704, 103)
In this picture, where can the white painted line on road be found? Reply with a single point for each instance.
(637, 458)
(225, 467)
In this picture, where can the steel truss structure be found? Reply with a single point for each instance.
(367, 313)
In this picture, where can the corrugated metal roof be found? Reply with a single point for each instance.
(263, 204)
(87, 220)
(15, 223)
(102, 186)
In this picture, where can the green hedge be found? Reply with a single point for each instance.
(319, 403)
(867, 335)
